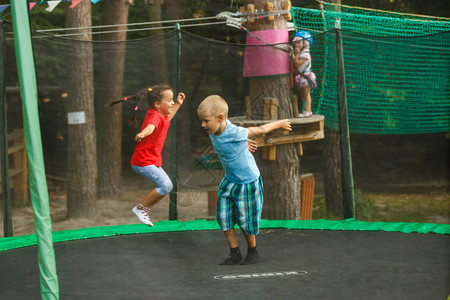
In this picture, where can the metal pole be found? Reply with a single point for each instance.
(6, 192)
(173, 212)
(348, 193)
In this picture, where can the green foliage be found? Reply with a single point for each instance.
(379, 207)
(363, 207)
(42, 19)
(320, 210)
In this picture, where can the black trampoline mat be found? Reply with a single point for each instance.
(296, 264)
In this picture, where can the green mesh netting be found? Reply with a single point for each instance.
(397, 70)
(366, 13)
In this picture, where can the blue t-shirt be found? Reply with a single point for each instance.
(232, 148)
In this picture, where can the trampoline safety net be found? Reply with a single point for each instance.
(398, 94)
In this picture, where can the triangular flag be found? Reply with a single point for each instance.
(74, 3)
(3, 7)
(32, 4)
(52, 5)
(95, 1)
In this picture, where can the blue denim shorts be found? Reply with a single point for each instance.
(158, 176)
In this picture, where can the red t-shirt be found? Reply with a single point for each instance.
(148, 151)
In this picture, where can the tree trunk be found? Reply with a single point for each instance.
(82, 152)
(110, 87)
(333, 169)
(154, 14)
(281, 177)
(158, 60)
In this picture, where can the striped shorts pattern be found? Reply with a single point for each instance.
(240, 204)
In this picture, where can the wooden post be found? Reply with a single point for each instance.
(270, 108)
(251, 10)
(295, 105)
(300, 149)
(269, 7)
(248, 107)
(212, 203)
(270, 113)
(306, 196)
(287, 6)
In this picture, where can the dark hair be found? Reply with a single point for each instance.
(151, 94)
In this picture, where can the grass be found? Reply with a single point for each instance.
(422, 208)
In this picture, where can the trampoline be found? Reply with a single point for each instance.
(297, 263)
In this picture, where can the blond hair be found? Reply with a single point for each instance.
(214, 105)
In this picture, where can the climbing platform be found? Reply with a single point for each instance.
(303, 130)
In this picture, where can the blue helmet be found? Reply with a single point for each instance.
(305, 35)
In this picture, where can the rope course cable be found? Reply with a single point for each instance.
(128, 25)
(229, 18)
(131, 30)
(238, 18)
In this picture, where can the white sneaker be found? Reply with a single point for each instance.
(142, 215)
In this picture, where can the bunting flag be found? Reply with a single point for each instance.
(3, 7)
(52, 5)
(74, 3)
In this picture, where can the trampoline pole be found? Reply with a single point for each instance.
(6, 192)
(348, 193)
(33, 142)
(173, 211)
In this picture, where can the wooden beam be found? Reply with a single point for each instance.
(299, 149)
(271, 140)
(307, 183)
(248, 107)
(295, 105)
(269, 7)
(242, 121)
(270, 108)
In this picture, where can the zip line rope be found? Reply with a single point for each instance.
(122, 30)
(230, 17)
(132, 24)
(250, 16)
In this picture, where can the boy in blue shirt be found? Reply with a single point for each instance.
(240, 195)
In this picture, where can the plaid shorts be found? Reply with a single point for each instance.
(240, 204)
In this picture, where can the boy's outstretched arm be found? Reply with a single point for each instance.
(178, 102)
(281, 124)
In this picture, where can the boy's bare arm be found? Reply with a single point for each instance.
(281, 124)
(144, 133)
